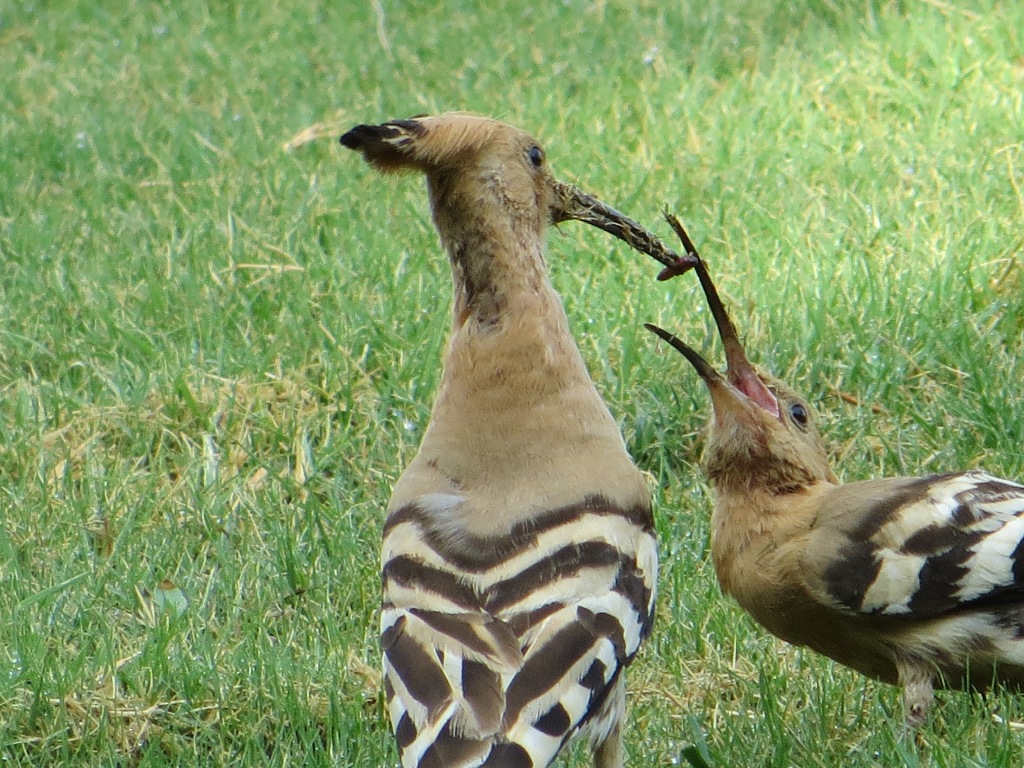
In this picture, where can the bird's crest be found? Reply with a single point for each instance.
(425, 143)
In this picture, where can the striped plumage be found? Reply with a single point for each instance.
(518, 558)
(532, 629)
(917, 582)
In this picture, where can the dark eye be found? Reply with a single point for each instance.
(535, 155)
(799, 414)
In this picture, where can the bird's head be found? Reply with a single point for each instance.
(477, 167)
(472, 164)
(763, 434)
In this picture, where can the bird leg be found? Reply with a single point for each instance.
(609, 752)
(916, 680)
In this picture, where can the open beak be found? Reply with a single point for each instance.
(728, 401)
(711, 377)
(571, 203)
(740, 374)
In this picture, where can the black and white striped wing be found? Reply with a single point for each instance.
(499, 651)
(919, 547)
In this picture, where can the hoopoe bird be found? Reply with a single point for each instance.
(518, 560)
(914, 581)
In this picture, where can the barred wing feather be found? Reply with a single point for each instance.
(499, 652)
(919, 547)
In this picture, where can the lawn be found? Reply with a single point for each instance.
(221, 333)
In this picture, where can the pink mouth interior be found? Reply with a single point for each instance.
(750, 385)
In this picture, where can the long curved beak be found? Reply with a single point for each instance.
(739, 371)
(731, 405)
(572, 203)
(704, 370)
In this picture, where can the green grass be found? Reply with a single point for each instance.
(218, 352)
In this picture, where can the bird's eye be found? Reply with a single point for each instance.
(535, 155)
(799, 414)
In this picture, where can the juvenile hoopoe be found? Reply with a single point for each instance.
(915, 581)
(519, 560)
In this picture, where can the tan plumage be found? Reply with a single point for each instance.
(518, 560)
(917, 582)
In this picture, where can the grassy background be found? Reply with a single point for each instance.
(220, 338)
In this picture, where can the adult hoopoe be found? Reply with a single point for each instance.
(519, 559)
(915, 581)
